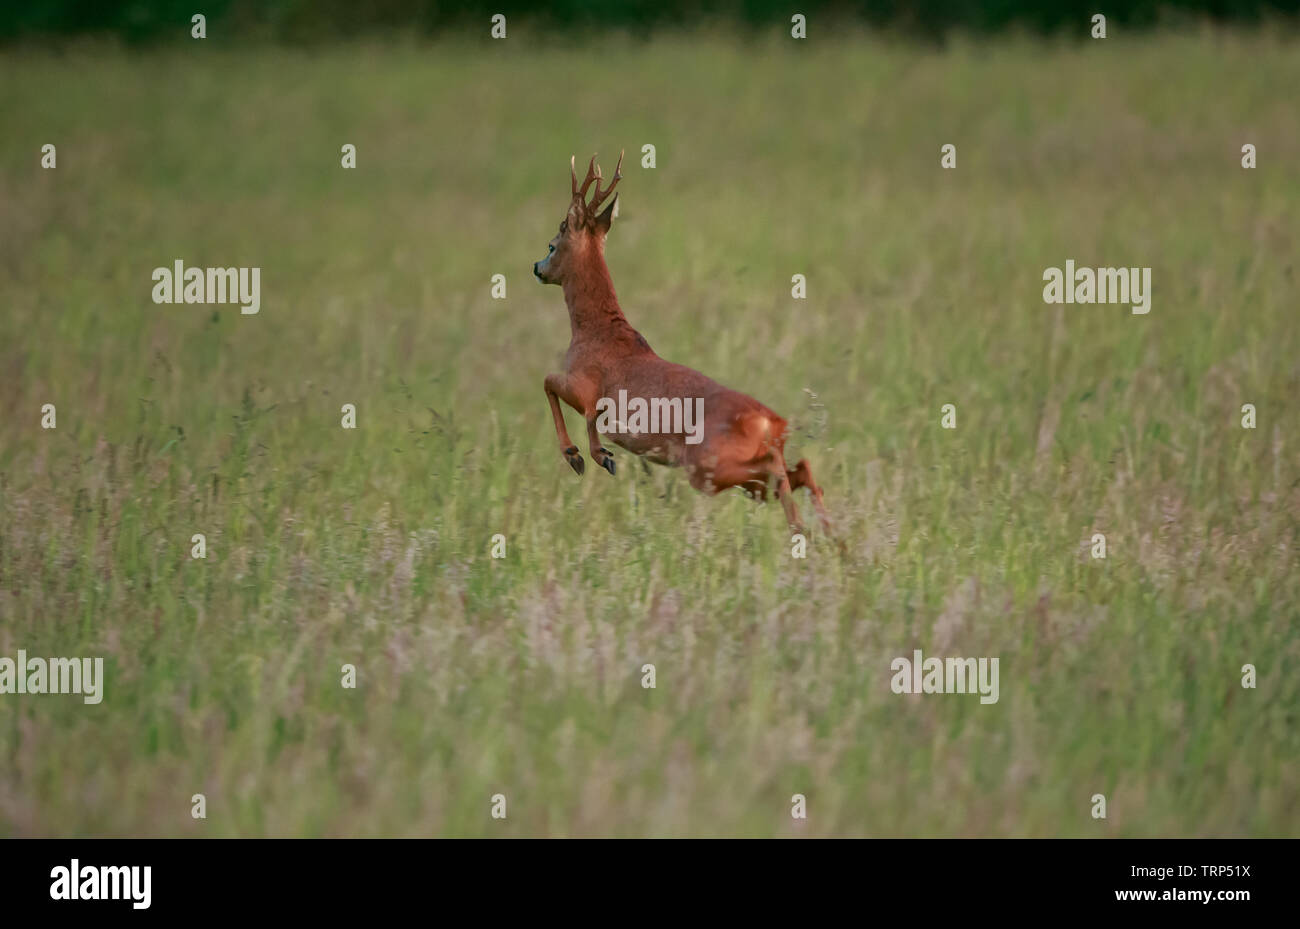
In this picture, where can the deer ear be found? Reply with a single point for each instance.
(606, 218)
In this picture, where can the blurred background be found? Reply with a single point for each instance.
(307, 20)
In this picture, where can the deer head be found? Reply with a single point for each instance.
(582, 231)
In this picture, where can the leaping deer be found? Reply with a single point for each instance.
(742, 442)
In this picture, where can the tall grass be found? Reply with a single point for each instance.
(522, 675)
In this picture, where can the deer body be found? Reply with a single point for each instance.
(741, 442)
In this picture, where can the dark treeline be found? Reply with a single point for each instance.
(310, 20)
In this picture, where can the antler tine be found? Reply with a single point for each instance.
(599, 197)
(593, 173)
(573, 173)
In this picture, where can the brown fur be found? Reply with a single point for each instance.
(743, 440)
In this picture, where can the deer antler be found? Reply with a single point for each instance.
(599, 196)
(593, 173)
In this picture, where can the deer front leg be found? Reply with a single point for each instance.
(599, 453)
(557, 386)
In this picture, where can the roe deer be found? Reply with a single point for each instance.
(742, 442)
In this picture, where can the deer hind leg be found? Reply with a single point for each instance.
(752, 474)
(784, 490)
(557, 386)
(801, 476)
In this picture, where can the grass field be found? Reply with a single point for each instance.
(522, 676)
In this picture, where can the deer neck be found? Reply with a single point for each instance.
(589, 295)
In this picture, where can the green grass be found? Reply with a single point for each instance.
(522, 676)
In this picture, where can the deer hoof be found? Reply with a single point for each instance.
(608, 462)
(574, 459)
